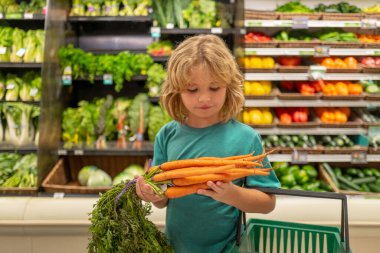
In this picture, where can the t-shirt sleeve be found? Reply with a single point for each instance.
(270, 181)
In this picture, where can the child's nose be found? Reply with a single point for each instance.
(204, 98)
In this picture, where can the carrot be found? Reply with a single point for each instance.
(191, 171)
(178, 164)
(237, 157)
(181, 191)
(258, 157)
(226, 176)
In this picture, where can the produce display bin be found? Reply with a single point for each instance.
(280, 236)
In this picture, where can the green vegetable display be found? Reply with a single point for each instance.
(294, 7)
(18, 172)
(119, 224)
(32, 6)
(157, 119)
(95, 8)
(342, 7)
(298, 177)
(141, 99)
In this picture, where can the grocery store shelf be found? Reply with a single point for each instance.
(276, 102)
(20, 65)
(27, 17)
(111, 150)
(18, 149)
(77, 19)
(100, 78)
(24, 102)
(308, 23)
(322, 158)
(216, 30)
(306, 76)
(312, 51)
(311, 131)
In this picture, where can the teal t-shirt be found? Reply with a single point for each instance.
(196, 223)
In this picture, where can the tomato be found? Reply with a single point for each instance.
(287, 85)
(285, 118)
(369, 61)
(290, 61)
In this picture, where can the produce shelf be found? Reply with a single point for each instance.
(79, 19)
(309, 23)
(216, 30)
(18, 149)
(311, 131)
(276, 102)
(321, 158)
(306, 76)
(10, 65)
(112, 150)
(311, 51)
(23, 17)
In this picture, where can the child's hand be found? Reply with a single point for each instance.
(145, 191)
(219, 191)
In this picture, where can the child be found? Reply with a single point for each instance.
(202, 93)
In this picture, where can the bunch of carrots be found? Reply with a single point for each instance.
(185, 177)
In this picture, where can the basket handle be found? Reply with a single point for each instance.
(344, 236)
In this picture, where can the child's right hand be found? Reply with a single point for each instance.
(146, 193)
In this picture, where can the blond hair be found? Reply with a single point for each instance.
(211, 52)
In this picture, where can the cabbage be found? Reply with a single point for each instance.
(99, 178)
(85, 173)
(134, 170)
(122, 177)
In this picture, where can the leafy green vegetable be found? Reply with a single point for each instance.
(134, 112)
(294, 7)
(157, 119)
(156, 76)
(119, 224)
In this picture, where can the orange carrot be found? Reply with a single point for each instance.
(226, 176)
(178, 164)
(181, 191)
(237, 157)
(192, 171)
(258, 157)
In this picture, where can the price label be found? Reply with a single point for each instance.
(321, 51)
(317, 72)
(68, 71)
(21, 52)
(58, 195)
(216, 30)
(62, 152)
(67, 80)
(369, 23)
(28, 15)
(3, 50)
(107, 79)
(254, 24)
(78, 152)
(243, 31)
(155, 32)
(373, 131)
(11, 86)
(300, 23)
(299, 157)
(33, 92)
(306, 52)
(359, 157)
(1, 16)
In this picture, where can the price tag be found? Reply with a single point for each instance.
(155, 32)
(68, 71)
(306, 52)
(299, 157)
(21, 52)
(359, 157)
(58, 195)
(170, 26)
(321, 51)
(11, 86)
(376, 52)
(13, 15)
(254, 24)
(67, 80)
(33, 92)
(1, 16)
(369, 23)
(317, 72)
(300, 23)
(352, 24)
(216, 30)
(62, 152)
(78, 152)
(28, 15)
(3, 50)
(107, 79)
(243, 31)
(373, 131)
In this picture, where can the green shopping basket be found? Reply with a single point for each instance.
(262, 236)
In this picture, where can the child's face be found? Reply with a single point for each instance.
(203, 98)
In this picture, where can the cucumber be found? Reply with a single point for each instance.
(331, 174)
(364, 180)
(374, 187)
(348, 183)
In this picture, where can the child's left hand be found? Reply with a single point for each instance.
(219, 191)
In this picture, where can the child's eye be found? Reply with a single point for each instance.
(214, 88)
(192, 90)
